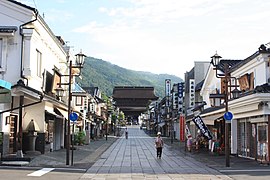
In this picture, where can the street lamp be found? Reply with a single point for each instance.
(215, 61)
(60, 91)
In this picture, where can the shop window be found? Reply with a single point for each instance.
(262, 140)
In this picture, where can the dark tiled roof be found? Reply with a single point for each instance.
(23, 5)
(211, 109)
(8, 29)
(265, 88)
(231, 64)
(199, 86)
(199, 106)
(262, 49)
(134, 92)
(90, 90)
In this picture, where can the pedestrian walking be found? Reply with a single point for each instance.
(189, 144)
(159, 144)
(126, 133)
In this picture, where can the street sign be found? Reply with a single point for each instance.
(73, 116)
(228, 116)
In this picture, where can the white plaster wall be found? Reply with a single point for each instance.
(12, 16)
(37, 113)
(42, 39)
(258, 66)
(210, 84)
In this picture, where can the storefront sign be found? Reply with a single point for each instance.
(202, 127)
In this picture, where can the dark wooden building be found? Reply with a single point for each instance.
(133, 100)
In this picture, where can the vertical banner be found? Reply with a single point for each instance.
(167, 90)
(203, 128)
(191, 92)
(180, 97)
(182, 128)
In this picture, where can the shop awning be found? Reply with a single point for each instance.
(53, 114)
(62, 112)
(210, 119)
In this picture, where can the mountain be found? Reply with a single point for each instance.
(105, 75)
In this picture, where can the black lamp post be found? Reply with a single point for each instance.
(60, 91)
(215, 61)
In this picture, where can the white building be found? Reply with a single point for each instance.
(32, 59)
(248, 130)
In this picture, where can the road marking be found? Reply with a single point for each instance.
(41, 172)
(244, 170)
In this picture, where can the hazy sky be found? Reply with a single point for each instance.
(159, 36)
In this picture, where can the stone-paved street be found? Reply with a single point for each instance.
(135, 158)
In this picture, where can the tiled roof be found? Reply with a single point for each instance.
(199, 86)
(23, 5)
(265, 88)
(134, 92)
(261, 49)
(77, 88)
(212, 109)
(231, 64)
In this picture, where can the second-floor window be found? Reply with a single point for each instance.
(39, 63)
(79, 100)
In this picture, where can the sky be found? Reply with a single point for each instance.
(159, 36)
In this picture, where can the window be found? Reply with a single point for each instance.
(39, 63)
(79, 100)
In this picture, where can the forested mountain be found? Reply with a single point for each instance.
(105, 75)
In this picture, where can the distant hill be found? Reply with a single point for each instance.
(105, 75)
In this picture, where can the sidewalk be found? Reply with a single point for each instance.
(215, 161)
(83, 157)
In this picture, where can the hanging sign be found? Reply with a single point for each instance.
(203, 128)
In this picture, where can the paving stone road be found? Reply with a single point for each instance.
(135, 158)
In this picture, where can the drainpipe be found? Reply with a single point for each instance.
(19, 152)
(22, 44)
